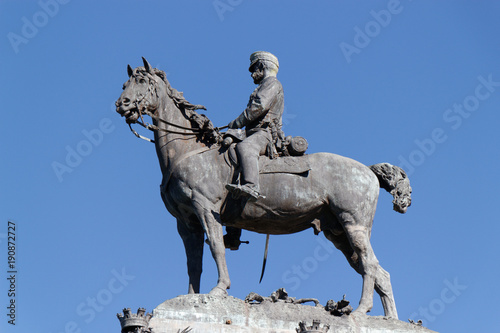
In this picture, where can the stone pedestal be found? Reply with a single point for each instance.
(225, 314)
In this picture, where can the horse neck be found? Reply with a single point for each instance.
(171, 146)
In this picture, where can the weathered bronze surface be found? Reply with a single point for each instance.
(337, 196)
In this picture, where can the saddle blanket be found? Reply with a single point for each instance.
(284, 164)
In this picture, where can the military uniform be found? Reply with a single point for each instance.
(262, 120)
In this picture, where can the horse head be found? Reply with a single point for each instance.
(139, 92)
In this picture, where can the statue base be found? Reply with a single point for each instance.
(227, 314)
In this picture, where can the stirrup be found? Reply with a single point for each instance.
(233, 243)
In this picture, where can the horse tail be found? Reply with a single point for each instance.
(395, 181)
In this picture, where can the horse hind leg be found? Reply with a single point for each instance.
(382, 279)
(383, 287)
(357, 230)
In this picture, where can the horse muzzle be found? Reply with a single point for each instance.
(127, 110)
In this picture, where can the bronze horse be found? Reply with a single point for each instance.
(338, 196)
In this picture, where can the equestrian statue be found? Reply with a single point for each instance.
(210, 180)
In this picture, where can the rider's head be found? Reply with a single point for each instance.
(262, 65)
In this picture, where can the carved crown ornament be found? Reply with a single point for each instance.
(314, 328)
(135, 322)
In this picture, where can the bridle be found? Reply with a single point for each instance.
(190, 132)
(151, 127)
(152, 89)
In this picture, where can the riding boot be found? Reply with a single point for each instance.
(250, 171)
(248, 152)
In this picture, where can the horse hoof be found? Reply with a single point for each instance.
(218, 291)
(392, 316)
(359, 312)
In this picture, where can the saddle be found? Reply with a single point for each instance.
(280, 164)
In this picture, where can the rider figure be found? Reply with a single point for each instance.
(262, 120)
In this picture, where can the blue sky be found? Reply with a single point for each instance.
(412, 83)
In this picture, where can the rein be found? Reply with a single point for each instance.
(153, 128)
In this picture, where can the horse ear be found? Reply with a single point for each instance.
(147, 65)
(130, 71)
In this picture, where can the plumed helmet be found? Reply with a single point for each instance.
(263, 55)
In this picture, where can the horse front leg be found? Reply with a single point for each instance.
(193, 243)
(215, 239)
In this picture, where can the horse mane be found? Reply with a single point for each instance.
(209, 134)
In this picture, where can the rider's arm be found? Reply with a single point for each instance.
(238, 122)
(258, 105)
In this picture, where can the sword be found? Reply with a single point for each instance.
(265, 258)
